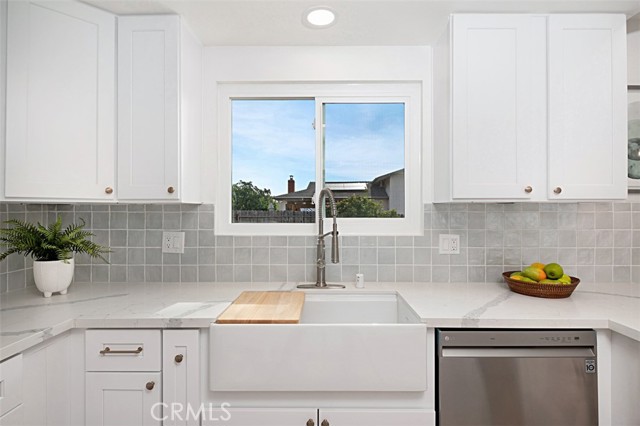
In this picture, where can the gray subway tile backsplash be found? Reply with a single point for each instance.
(595, 241)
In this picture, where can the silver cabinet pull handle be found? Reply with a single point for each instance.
(150, 385)
(107, 351)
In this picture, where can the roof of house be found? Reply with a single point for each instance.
(340, 190)
(383, 177)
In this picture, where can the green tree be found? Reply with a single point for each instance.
(247, 196)
(358, 206)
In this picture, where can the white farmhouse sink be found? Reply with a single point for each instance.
(344, 342)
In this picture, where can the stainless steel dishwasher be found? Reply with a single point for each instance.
(517, 377)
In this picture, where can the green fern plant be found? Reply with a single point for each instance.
(48, 243)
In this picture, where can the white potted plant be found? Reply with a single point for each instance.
(52, 249)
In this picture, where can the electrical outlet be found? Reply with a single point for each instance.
(449, 244)
(454, 244)
(173, 242)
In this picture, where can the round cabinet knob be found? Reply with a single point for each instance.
(310, 422)
(528, 190)
(179, 358)
(325, 422)
(557, 190)
(171, 190)
(108, 190)
(150, 385)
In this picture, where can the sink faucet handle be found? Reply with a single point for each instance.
(335, 244)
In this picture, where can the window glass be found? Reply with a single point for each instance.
(273, 160)
(364, 151)
(279, 144)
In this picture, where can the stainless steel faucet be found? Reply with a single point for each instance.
(321, 263)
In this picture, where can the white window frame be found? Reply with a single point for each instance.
(408, 93)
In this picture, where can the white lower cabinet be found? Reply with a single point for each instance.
(142, 377)
(625, 380)
(375, 417)
(181, 377)
(11, 391)
(322, 417)
(14, 417)
(125, 399)
(47, 384)
(261, 416)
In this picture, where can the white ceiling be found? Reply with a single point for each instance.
(359, 23)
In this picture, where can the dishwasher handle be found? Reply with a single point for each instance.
(518, 352)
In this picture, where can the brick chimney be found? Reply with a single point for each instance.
(291, 184)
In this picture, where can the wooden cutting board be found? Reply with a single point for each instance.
(264, 307)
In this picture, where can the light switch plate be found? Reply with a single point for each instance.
(449, 244)
(173, 242)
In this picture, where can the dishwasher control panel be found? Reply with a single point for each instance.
(515, 338)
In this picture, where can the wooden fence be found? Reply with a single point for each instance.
(258, 216)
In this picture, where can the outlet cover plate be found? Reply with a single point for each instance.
(173, 242)
(449, 244)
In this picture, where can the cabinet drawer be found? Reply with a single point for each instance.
(123, 350)
(10, 384)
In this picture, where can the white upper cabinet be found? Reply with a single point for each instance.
(530, 107)
(159, 110)
(587, 107)
(60, 122)
(492, 137)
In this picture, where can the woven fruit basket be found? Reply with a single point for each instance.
(548, 291)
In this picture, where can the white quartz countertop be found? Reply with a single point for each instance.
(27, 318)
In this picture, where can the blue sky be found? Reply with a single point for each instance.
(273, 139)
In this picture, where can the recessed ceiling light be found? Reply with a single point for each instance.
(319, 17)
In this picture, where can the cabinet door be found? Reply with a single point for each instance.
(232, 416)
(376, 417)
(625, 380)
(180, 374)
(60, 101)
(11, 384)
(587, 107)
(123, 399)
(47, 384)
(13, 417)
(494, 152)
(148, 138)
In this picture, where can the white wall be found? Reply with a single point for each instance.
(633, 64)
(633, 50)
(3, 91)
(311, 64)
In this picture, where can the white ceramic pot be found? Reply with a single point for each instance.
(53, 276)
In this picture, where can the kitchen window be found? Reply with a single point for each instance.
(281, 143)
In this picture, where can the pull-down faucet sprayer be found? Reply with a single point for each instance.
(321, 281)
